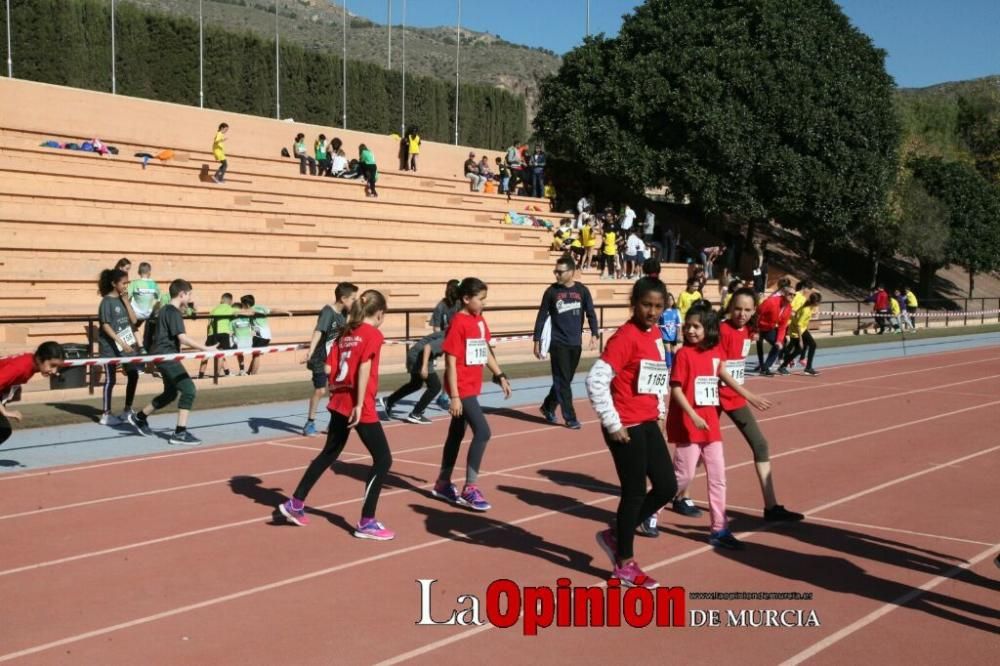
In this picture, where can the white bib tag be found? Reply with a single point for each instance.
(654, 378)
(706, 391)
(756, 272)
(127, 336)
(746, 348)
(476, 351)
(737, 369)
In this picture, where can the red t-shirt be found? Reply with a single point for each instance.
(16, 370)
(735, 345)
(774, 313)
(352, 349)
(690, 364)
(467, 340)
(625, 351)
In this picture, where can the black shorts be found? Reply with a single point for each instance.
(222, 339)
(320, 379)
(261, 342)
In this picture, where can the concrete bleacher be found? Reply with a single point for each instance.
(286, 238)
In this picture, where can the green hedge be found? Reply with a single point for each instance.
(68, 42)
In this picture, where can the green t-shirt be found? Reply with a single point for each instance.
(112, 311)
(242, 330)
(221, 326)
(320, 151)
(367, 157)
(169, 325)
(143, 293)
(261, 327)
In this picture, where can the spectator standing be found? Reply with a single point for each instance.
(369, 169)
(413, 146)
(538, 173)
(219, 152)
(143, 293)
(628, 219)
(322, 156)
(503, 176)
(514, 162)
(220, 331)
(471, 170)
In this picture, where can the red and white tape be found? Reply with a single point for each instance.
(183, 356)
(920, 314)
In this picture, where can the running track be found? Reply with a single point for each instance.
(175, 558)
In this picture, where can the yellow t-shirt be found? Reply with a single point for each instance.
(219, 146)
(894, 306)
(610, 247)
(725, 301)
(798, 301)
(413, 144)
(800, 321)
(911, 299)
(587, 236)
(550, 192)
(686, 300)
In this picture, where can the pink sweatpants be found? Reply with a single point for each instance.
(685, 464)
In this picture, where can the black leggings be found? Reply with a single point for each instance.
(369, 171)
(5, 429)
(645, 455)
(416, 381)
(746, 423)
(111, 378)
(373, 437)
(472, 414)
(806, 345)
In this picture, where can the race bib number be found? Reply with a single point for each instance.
(476, 352)
(654, 378)
(706, 391)
(128, 337)
(746, 348)
(756, 272)
(737, 370)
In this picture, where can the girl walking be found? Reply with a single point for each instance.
(116, 337)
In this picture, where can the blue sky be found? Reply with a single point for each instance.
(928, 41)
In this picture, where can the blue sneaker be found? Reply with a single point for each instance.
(310, 429)
(446, 491)
(549, 414)
(573, 424)
(725, 539)
(472, 498)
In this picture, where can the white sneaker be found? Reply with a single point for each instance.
(110, 420)
(123, 417)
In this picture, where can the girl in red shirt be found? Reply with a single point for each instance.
(693, 420)
(467, 349)
(627, 386)
(17, 370)
(352, 366)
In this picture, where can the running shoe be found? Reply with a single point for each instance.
(686, 507)
(446, 491)
(608, 542)
(184, 438)
(310, 429)
(647, 528)
(811, 372)
(369, 528)
(123, 417)
(294, 516)
(766, 373)
(473, 498)
(419, 419)
(725, 539)
(110, 419)
(141, 425)
(784, 371)
(778, 513)
(632, 576)
(549, 414)
(573, 424)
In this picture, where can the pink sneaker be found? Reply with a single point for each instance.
(803, 362)
(294, 516)
(369, 528)
(632, 576)
(608, 542)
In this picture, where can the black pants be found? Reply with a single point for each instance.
(323, 167)
(368, 171)
(220, 175)
(564, 361)
(645, 455)
(111, 378)
(175, 380)
(806, 345)
(5, 429)
(307, 162)
(472, 414)
(373, 437)
(416, 381)
(772, 339)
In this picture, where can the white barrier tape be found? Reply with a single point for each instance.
(183, 356)
(954, 314)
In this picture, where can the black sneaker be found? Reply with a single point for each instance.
(783, 371)
(647, 528)
(766, 373)
(419, 419)
(725, 539)
(811, 372)
(778, 513)
(573, 424)
(686, 507)
(184, 438)
(549, 414)
(141, 425)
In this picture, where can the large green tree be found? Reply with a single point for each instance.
(757, 108)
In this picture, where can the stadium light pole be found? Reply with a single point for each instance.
(458, 50)
(114, 83)
(402, 115)
(277, 65)
(201, 56)
(588, 18)
(10, 60)
(343, 87)
(388, 27)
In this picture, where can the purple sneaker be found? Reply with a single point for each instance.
(294, 516)
(472, 498)
(608, 542)
(446, 491)
(632, 576)
(369, 528)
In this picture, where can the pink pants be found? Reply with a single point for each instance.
(685, 464)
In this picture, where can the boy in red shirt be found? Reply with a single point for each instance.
(17, 370)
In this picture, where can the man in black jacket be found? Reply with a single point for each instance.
(564, 305)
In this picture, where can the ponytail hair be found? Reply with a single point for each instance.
(106, 283)
(370, 303)
(451, 295)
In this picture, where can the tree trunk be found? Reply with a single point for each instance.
(875, 265)
(927, 272)
(972, 282)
